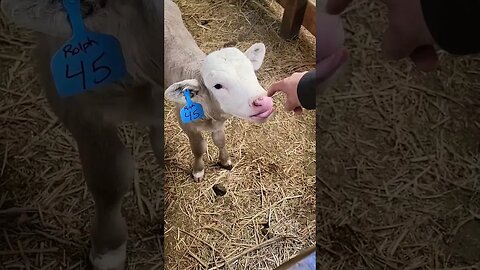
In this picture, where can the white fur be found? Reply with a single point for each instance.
(198, 175)
(114, 259)
(235, 72)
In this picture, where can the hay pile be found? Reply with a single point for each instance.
(398, 159)
(272, 182)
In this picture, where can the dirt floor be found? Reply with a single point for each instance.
(398, 159)
(269, 208)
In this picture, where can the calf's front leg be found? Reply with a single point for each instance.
(108, 170)
(218, 138)
(198, 147)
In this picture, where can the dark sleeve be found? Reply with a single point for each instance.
(454, 25)
(306, 90)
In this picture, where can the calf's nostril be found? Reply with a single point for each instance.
(258, 102)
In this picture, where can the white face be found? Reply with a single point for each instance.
(229, 75)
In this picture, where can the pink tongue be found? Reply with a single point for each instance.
(264, 102)
(264, 114)
(265, 105)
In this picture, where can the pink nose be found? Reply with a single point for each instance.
(263, 103)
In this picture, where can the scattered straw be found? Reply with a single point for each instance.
(397, 159)
(245, 252)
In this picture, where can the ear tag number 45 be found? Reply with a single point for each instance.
(192, 111)
(88, 59)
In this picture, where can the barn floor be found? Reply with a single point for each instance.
(398, 159)
(272, 183)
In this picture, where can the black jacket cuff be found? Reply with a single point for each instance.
(306, 90)
(454, 24)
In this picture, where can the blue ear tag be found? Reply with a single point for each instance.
(88, 59)
(192, 111)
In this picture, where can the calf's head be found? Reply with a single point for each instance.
(228, 81)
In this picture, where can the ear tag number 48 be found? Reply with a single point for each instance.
(88, 59)
(192, 111)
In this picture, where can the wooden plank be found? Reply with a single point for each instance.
(305, 260)
(292, 19)
(309, 19)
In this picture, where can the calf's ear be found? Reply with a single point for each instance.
(256, 54)
(174, 92)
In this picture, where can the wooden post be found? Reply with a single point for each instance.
(294, 11)
(305, 260)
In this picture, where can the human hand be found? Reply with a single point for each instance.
(289, 87)
(407, 34)
(331, 53)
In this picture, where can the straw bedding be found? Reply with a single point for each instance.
(398, 167)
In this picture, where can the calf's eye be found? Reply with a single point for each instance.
(218, 86)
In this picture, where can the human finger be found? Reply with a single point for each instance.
(425, 58)
(289, 105)
(275, 87)
(298, 110)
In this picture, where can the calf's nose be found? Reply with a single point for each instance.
(265, 101)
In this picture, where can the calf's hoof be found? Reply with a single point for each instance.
(111, 260)
(198, 176)
(226, 165)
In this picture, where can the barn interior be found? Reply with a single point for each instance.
(267, 215)
(397, 169)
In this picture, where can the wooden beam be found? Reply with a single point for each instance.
(292, 19)
(305, 260)
(309, 17)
